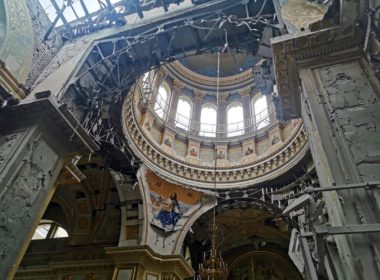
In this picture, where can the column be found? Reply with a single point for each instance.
(271, 111)
(176, 90)
(159, 77)
(336, 93)
(35, 138)
(221, 123)
(247, 109)
(197, 108)
(340, 107)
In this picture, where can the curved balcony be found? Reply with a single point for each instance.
(190, 126)
(187, 158)
(183, 124)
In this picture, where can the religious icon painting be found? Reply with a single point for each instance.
(170, 203)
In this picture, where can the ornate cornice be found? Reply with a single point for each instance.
(291, 51)
(200, 175)
(201, 81)
(144, 255)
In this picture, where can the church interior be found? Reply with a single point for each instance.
(189, 139)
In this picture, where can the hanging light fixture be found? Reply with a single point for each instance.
(213, 266)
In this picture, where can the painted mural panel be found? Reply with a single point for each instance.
(170, 202)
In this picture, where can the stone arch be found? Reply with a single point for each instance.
(242, 223)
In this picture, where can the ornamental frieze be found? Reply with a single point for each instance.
(278, 158)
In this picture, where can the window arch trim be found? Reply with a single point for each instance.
(208, 129)
(183, 121)
(235, 128)
(264, 120)
(161, 110)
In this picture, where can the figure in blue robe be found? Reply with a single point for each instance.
(169, 213)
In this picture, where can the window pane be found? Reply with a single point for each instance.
(261, 112)
(60, 233)
(235, 121)
(161, 102)
(182, 119)
(147, 80)
(41, 231)
(208, 122)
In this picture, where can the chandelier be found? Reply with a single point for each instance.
(213, 266)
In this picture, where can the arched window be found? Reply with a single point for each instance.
(146, 80)
(49, 229)
(147, 85)
(260, 108)
(183, 115)
(208, 121)
(162, 102)
(235, 120)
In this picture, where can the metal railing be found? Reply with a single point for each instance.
(145, 89)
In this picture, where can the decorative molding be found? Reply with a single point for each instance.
(197, 174)
(199, 94)
(69, 267)
(10, 83)
(177, 70)
(291, 50)
(146, 257)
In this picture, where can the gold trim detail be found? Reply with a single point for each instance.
(10, 83)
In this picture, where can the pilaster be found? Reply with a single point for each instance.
(247, 109)
(35, 139)
(221, 117)
(321, 75)
(339, 104)
(173, 99)
(197, 108)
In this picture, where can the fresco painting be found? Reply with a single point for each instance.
(170, 203)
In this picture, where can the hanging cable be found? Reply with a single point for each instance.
(216, 150)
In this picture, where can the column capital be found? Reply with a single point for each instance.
(199, 94)
(178, 85)
(223, 96)
(245, 91)
(58, 115)
(292, 52)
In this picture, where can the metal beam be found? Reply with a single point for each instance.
(347, 229)
(59, 11)
(374, 184)
(88, 16)
(60, 14)
(54, 23)
(309, 264)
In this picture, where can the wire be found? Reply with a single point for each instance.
(216, 150)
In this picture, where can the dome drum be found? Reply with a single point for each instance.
(187, 158)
